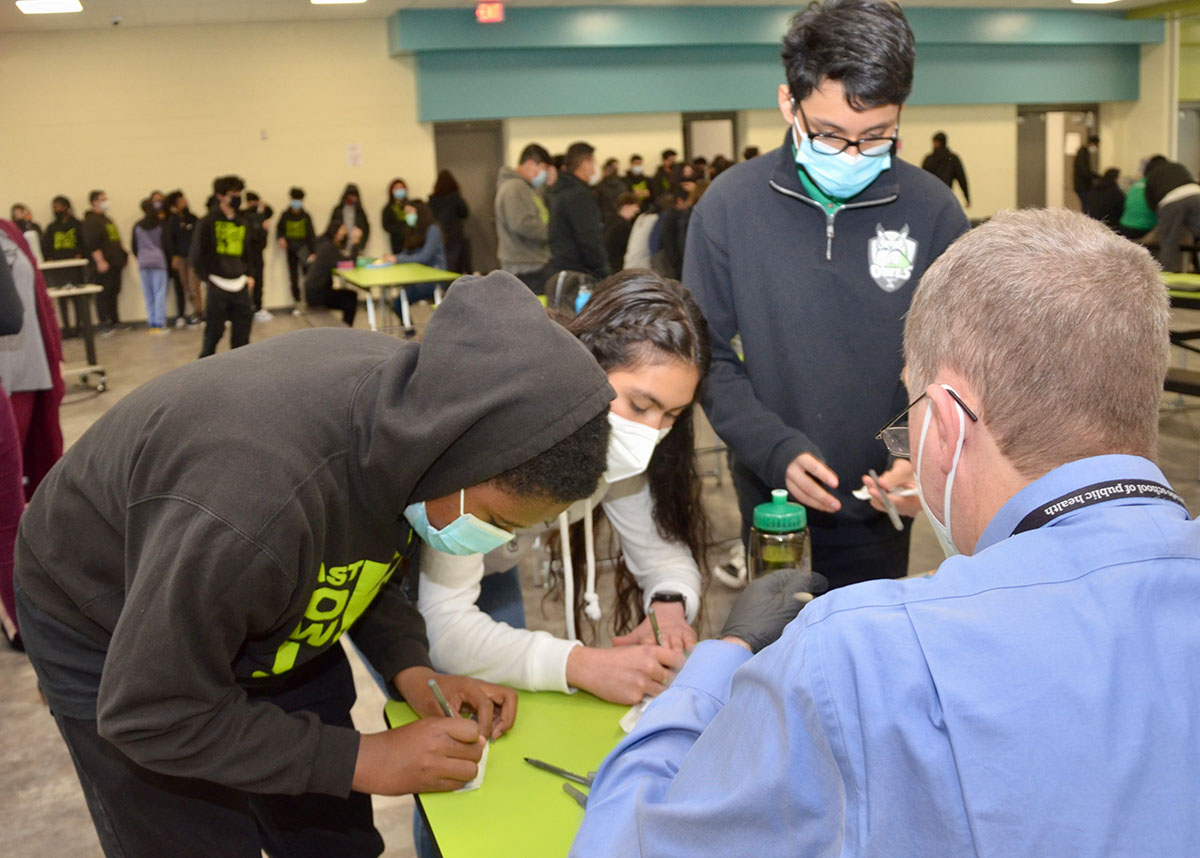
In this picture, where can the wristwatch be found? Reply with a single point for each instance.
(668, 597)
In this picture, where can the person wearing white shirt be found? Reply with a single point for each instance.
(649, 336)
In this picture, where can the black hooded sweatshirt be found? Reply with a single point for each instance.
(224, 524)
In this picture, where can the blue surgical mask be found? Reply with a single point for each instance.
(296, 205)
(538, 180)
(400, 193)
(463, 536)
(410, 218)
(840, 175)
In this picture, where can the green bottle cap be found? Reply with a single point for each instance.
(780, 516)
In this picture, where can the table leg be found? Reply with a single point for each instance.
(405, 312)
(83, 318)
(371, 321)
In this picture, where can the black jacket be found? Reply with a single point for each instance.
(337, 218)
(451, 211)
(819, 302)
(576, 229)
(1105, 202)
(1165, 178)
(1084, 174)
(243, 512)
(948, 167)
(100, 233)
(177, 234)
(296, 228)
(63, 239)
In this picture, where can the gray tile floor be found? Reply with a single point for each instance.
(42, 812)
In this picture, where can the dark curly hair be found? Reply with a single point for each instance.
(568, 471)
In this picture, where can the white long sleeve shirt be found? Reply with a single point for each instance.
(465, 640)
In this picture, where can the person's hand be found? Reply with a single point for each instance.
(312, 257)
(803, 475)
(102, 266)
(896, 478)
(355, 235)
(763, 610)
(250, 282)
(283, 243)
(672, 625)
(429, 755)
(495, 706)
(623, 674)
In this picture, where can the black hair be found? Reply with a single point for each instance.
(557, 161)
(633, 319)
(568, 471)
(252, 197)
(1154, 161)
(669, 153)
(1093, 139)
(633, 158)
(749, 152)
(866, 45)
(391, 187)
(171, 199)
(224, 184)
(149, 215)
(445, 184)
(95, 195)
(611, 162)
(414, 236)
(534, 152)
(13, 211)
(628, 199)
(155, 193)
(61, 199)
(940, 137)
(577, 153)
(296, 193)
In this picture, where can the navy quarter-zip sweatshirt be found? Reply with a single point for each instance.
(818, 298)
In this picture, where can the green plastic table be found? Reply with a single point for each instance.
(520, 810)
(377, 283)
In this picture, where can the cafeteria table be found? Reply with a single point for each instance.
(378, 281)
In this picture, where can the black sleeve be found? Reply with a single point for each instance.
(133, 240)
(391, 633)
(201, 253)
(961, 175)
(464, 210)
(93, 235)
(12, 311)
(365, 226)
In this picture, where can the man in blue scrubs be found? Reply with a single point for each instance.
(1037, 695)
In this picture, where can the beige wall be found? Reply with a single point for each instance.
(614, 136)
(984, 136)
(1131, 131)
(143, 108)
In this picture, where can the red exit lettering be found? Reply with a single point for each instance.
(489, 13)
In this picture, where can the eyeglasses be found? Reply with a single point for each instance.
(895, 438)
(833, 144)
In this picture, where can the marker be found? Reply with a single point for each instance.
(654, 625)
(441, 698)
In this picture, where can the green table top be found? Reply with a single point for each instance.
(1186, 282)
(521, 810)
(400, 274)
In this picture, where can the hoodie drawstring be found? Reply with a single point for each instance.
(591, 602)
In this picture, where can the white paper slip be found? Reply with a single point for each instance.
(477, 781)
(630, 719)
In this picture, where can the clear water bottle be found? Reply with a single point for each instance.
(779, 538)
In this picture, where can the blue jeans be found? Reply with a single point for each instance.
(500, 598)
(154, 288)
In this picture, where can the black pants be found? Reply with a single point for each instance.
(345, 300)
(296, 259)
(106, 301)
(142, 814)
(180, 293)
(256, 271)
(1177, 221)
(881, 552)
(223, 305)
(535, 280)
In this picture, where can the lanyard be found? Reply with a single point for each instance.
(1094, 494)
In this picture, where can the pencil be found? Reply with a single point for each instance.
(441, 698)
(653, 625)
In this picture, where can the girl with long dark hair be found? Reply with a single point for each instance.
(393, 214)
(648, 334)
(451, 211)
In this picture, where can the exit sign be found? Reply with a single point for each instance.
(489, 13)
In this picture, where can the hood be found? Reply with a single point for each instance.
(350, 188)
(507, 174)
(494, 383)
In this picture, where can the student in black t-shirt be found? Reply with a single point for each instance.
(298, 238)
(63, 239)
(256, 214)
(102, 241)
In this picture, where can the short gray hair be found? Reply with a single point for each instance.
(1060, 326)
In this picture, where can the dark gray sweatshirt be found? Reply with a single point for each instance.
(228, 521)
(819, 303)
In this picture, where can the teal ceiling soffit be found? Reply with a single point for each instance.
(427, 30)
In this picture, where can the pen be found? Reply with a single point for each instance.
(441, 698)
(654, 625)
(892, 512)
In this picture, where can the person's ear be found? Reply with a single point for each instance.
(944, 429)
(785, 104)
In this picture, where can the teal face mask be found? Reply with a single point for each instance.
(463, 536)
(296, 205)
(539, 180)
(839, 174)
(399, 193)
(411, 218)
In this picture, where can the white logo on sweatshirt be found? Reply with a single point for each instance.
(891, 256)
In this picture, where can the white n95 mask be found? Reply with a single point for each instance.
(630, 447)
(940, 529)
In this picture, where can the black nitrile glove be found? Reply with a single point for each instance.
(769, 603)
